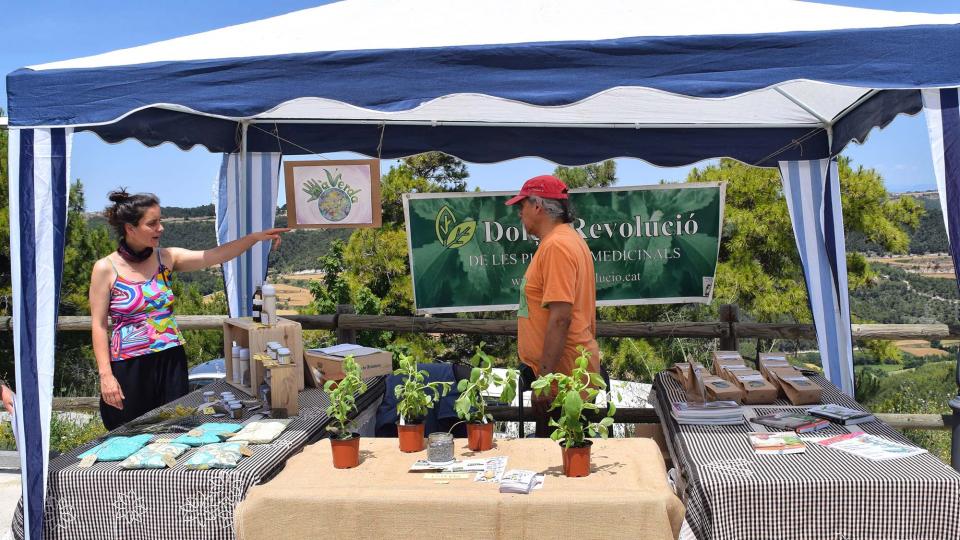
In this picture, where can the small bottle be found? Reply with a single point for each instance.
(268, 314)
(235, 362)
(244, 364)
(283, 355)
(257, 310)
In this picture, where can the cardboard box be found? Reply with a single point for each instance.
(771, 360)
(718, 389)
(756, 389)
(373, 363)
(798, 389)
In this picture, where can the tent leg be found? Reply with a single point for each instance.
(955, 423)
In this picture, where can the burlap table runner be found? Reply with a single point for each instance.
(625, 496)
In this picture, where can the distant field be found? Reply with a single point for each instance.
(919, 347)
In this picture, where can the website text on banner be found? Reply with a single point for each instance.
(650, 244)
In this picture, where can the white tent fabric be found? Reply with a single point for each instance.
(812, 190)
(389, 24)
(246, 202)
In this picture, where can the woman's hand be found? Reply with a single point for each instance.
(271, 234)
(7, 398)
(111, 392)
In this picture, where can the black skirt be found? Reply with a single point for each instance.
(147, 381)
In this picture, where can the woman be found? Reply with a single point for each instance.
(143, 365)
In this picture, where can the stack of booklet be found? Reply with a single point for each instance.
(710, 413)
(777, 443)
(520, 481)
(841, 415)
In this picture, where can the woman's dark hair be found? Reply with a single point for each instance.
(127, 208)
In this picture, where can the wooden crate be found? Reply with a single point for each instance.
(255, 336)
(283, 389)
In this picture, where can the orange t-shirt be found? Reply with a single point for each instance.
(561, 271)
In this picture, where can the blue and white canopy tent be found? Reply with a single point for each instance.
(772, 83)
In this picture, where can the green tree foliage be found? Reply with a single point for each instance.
(444, 171)
(602, 174)
(759, 266)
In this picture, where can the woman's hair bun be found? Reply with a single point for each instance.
(118, 196)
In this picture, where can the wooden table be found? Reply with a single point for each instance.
(625, 496)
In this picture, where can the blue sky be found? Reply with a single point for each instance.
(38, 32)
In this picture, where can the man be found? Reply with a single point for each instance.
(558, 292)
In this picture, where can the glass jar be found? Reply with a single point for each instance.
(440, 447)
(209, 396)
(283, 355)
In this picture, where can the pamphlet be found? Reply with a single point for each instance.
(871, 446)
(797, 421)
(493, 470)
(520, 481)
(776, 443)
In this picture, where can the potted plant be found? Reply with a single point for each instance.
(414, 399)
(342, 394)
(575, 399)
(471, 405)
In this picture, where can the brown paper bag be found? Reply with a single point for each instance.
(771, 360)
(684, 373)
(721, 358)
(755, 388)
(718, 389)
(799, 389)
(772, 376)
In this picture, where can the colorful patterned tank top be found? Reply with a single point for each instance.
(142, 313)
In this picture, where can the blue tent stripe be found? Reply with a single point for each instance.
(58, 165)
(827, 275)
(27, 361)
(950, 118)
(254, 209)
(269, 209)
(814, 218)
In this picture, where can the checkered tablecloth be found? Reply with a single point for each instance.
(731, 493)
(105, 502)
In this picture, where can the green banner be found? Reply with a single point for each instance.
(650, 244)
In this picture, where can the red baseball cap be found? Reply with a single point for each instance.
(546, 187)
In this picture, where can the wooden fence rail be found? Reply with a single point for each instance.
(728, 330)
(444, 325)
(629, 415)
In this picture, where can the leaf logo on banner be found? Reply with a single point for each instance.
(450, 233)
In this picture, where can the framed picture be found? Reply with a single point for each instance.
(331, 194)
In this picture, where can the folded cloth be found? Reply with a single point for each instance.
(261, 431)
(216, 456)
(117, 448)
(152, 456)
(208, 433)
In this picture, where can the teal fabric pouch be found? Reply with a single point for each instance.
(154, 456)
(208, 433)
(117, 448)
(217, 456)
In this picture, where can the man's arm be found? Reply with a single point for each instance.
(7, 397)
(556, 336)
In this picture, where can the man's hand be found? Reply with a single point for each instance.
(7, 398)
(111, 392)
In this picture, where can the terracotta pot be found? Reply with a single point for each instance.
(411, 437)
(576, 461)
(480, 436)
(346, 452)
